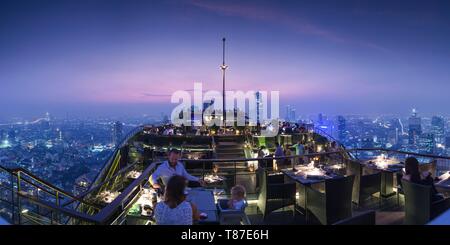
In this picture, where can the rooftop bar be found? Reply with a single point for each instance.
(324, 184)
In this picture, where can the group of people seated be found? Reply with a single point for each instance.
(168, 129)
(288, 128)
(170, 179)
(299, 149)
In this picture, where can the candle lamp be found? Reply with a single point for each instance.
(251, 167)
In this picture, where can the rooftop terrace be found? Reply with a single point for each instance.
(326, 185)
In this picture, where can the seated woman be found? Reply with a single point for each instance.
(175, 210)
(412, 174)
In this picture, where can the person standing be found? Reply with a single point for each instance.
(278, 153)
(299, 151)
(288, 153)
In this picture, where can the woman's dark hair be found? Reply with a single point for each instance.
(174, 194)
(412, 169)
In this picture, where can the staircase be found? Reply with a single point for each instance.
(230, 147)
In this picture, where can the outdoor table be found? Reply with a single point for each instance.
(443, 185)
(205, 202)
(443, 219)
(306, 182)
(137, 214)
(387, 175)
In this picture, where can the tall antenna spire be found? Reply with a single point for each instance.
(223, 67)
(223, 54)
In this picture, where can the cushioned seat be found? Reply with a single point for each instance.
(232, 216)
(419, 208)
(335, 203)
(273, 192)
(365, 185)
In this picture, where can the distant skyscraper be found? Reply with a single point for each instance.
(259, 107)
(288, 112)
(438, 129)
(396, 130)
(320, 119)
(341, 128)
(117, 133)
(415, 127)
(293, 116)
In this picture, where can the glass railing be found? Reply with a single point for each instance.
(27, 199)
(100, 176)
(32, 201)
(7, 202)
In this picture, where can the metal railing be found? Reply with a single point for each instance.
(47, 211)
(124, 141)
(26, 189)
(327, 135)
(116, 210)
(61, 207)
(398, 152)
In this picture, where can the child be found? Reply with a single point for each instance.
(237, 201)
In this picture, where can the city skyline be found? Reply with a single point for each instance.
(212, 112)
(111, 57)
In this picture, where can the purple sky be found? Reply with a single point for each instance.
(125, 57)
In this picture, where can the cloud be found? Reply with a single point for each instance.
(155, 95)
(295, 23)
(145, 94)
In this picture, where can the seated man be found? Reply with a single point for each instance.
(170, 168)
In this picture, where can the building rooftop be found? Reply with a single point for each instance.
(120, 193)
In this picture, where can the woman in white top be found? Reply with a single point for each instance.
(175, 210)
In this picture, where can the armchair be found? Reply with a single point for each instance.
(274, 193)
(335, 203)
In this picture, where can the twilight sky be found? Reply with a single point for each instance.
(127, 57)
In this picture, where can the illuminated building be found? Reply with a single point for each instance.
(117, 132)
(415, 127)
(342, 129)
(438, 129)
